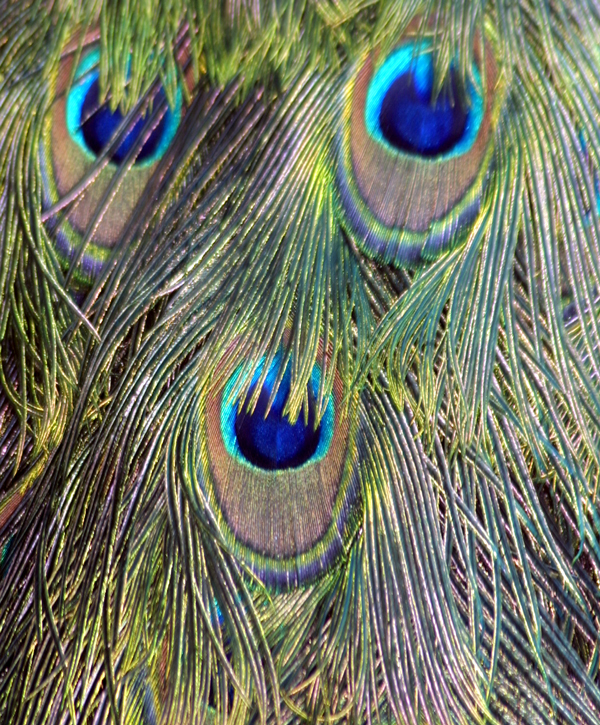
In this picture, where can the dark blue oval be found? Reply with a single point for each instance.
(271, 442)
(410, 122)
(99, 124)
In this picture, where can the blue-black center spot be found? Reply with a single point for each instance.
(99, 124)
(410, 122)
(272, 442)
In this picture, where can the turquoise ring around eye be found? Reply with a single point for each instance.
(410, 178)
(287, 523)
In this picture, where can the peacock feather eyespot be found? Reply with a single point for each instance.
(286, 492)
(264, 437)
(401, 113)
(94, 126)
(413, 165)
(110, 157)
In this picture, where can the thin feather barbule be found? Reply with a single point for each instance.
(299, 409)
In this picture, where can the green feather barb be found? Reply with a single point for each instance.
(407, 324)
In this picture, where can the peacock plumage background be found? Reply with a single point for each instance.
(299, 329)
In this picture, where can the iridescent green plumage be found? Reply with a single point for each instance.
(458, 581)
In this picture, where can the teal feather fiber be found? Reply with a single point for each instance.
(440, 561)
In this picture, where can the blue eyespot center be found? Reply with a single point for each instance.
(400, 114)
(270, 441)
(93, 125)
(99, 125)
(412, 123)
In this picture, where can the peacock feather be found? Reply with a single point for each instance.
(299, 330)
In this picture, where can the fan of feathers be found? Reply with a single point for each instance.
(299, 329)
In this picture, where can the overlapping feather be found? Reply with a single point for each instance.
(470, 592)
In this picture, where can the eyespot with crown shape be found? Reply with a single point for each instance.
(85, 140)
(285, 492)
(413, 162)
